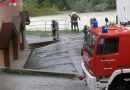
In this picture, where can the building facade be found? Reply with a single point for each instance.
(12, 26)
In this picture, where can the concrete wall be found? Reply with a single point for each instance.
(1, 58)
(6, 12)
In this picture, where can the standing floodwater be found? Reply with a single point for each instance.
(44, 22)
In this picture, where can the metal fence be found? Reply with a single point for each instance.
(46, 25)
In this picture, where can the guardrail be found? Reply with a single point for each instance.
(46, 25)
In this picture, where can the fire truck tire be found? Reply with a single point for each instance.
(120, 85)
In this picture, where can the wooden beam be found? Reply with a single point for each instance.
(23, 41)
(16, 48)
(6, 57)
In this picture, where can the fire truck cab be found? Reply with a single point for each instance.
(103, 53)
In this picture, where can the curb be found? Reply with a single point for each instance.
(36, 73)
(41, 44)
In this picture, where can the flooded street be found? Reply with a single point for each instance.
(64, 56)
(44, 22)
(63, 45)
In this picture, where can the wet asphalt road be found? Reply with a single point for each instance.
(63, 57)
(21, 82)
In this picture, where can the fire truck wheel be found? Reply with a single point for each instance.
(120, 85)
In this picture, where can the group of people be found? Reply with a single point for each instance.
(74, 24)
(74, 21)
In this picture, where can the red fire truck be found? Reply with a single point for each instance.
(103, 53)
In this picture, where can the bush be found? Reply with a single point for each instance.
(79, 7)
(35, 9)
(101, 7)
(89, 8)
(112, 23)
(43, 11)
(46, 7)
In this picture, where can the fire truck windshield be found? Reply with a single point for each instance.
(90, 41)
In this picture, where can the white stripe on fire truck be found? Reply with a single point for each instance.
(112, 60)
(108, 68)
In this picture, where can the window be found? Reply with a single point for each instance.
(108, 46)
(111, 45)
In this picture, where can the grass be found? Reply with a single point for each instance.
(37, 73)
(112, 23)
(43, 11)
(40, 32)
(37, 32)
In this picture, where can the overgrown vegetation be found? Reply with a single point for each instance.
(45, 7)
(36, 73)
(36, 32)
(36, 9)
(112, 23)
(41, 32)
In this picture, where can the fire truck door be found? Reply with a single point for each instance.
(107, 56)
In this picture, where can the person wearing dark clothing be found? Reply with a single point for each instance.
(74, 21)
(85, 29)
(106, 20)
(92, 20)
(53, 25)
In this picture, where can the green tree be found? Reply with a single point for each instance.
(112, 4)
(52, 6)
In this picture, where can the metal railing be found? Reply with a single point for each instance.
(46, 25)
